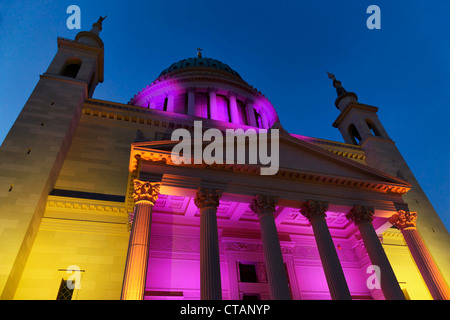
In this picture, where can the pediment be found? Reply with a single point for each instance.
(298, 159)
(303, 156)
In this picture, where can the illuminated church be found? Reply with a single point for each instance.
(92, 205)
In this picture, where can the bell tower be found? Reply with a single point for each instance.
(357, 121)
(34, 150)
(360, 125)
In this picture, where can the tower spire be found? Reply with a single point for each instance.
(337, 84)
(344, 97)
(97, 27)
(92, 37)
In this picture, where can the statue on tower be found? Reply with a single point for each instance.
(100, 20)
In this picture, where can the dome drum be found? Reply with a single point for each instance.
(207, 88)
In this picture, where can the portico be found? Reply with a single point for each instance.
(234, 220)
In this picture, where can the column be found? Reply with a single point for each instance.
(362, 217)
(207, 200)
(233, 108)
(406, 222)
(151, 104)
(170, 101)
(145, 195)
(264, 122)
(213, 103)
(251, 114)
(264, 207)
(315, 212)
(191, 101)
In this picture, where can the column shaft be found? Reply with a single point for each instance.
(233, 109)
(362, 217)
(406, 222)
(264, 122)
(388, 282)
(145, 195)
(330, 261)
(251, 115)
(210, 281)
(264, 207)
(137, 257)
(315, 212)
(427, 267)
(191, 102)
(276, 272)
(207, 200)
(213, 104)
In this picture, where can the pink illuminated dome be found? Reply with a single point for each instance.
(209, 89)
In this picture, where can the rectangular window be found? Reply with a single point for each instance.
(247, 273)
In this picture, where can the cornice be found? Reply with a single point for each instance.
(86, 205)
(351, 107)
(132, 114)
(142, 155)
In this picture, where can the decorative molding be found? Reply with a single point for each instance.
(263, 204)
(243, 247)
(404, 219)
(240, 246)
(206, 197)
(146, 191)
(97, 206)
(155, 156)
(359, 214)
(313, 208)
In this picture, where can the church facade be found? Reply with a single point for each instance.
(94, 205)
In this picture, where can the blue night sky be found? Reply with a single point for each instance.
(283, 48)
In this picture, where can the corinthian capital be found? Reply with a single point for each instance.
(207, 197)
(263, 204)
(313, 208)
(146, 191)
(360, 213)
(404, 219)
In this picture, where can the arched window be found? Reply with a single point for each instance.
(354, 134)
(372, 128)
(166, 100)
(71, 68)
